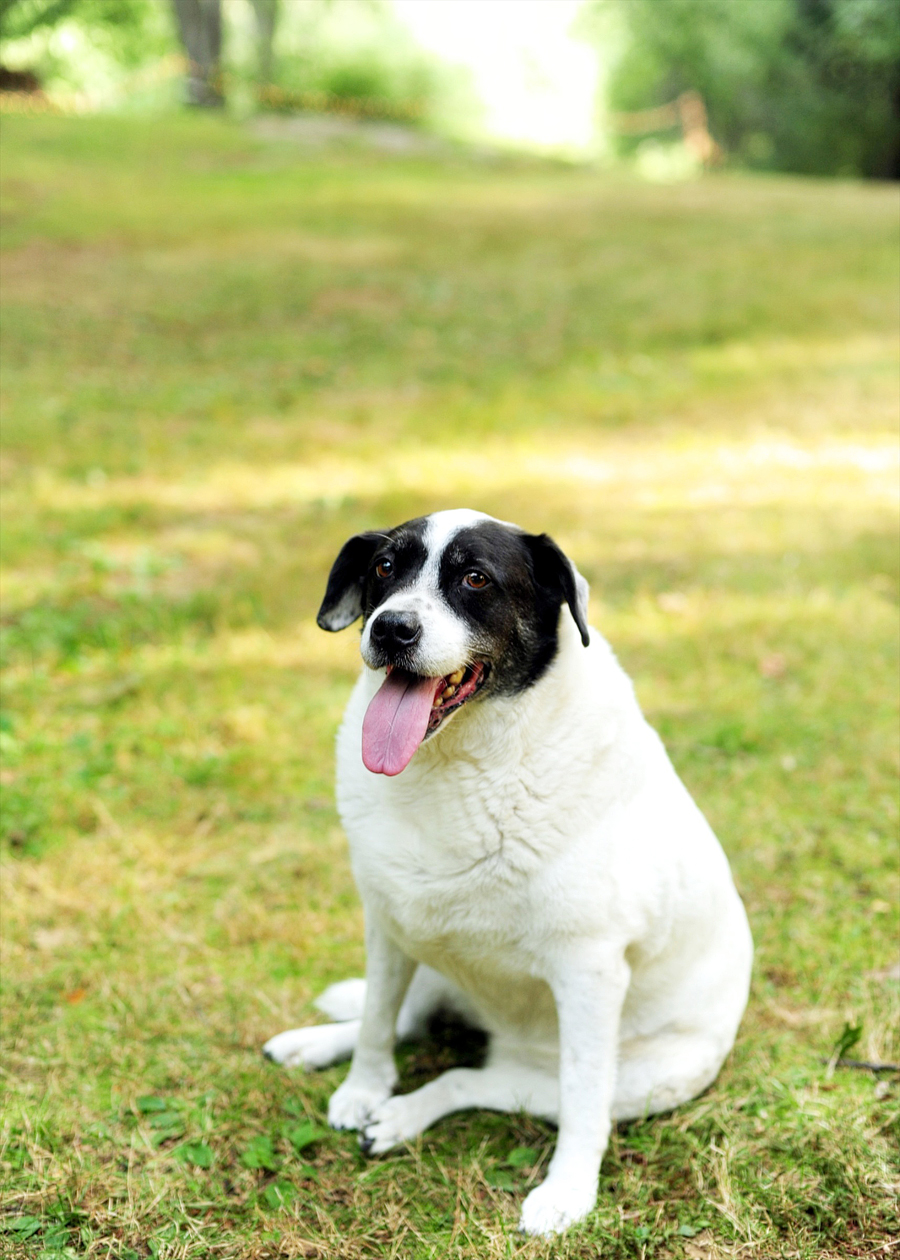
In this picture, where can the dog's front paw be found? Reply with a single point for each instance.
(555, 1205)
(310, 1048)
(351, 1104)
(394, 1121)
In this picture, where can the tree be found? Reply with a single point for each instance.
(200, 28)
(129, 31)
(798, 85)
(266, 14)
(18, 18)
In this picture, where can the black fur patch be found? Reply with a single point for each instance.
(354, 587)
(515, 618)
(404, 547)
(343, 600)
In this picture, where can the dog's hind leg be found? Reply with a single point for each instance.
(504, 1085)
(315, 1047)
(344, 1000)
(660, 1072)
(429, 992)
(324, 1044)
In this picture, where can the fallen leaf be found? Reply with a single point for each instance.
(774, 665)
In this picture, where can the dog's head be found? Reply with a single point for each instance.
(456, 606)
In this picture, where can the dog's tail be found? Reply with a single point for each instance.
(343, 1001)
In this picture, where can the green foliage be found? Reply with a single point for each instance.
(260, 1154)
(793, 85)
(849, 1037)
(148, 1104)
(18, 18)
(305, 1135)
(522, 1157)
(196, 1153)
(347, 56)
(120, 25)
(352, 57)
(279, 1194)
(21, 1226)
(108, 50)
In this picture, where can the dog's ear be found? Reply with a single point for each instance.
(343, 601)
(555, 572)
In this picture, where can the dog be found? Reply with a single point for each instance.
(527, 857)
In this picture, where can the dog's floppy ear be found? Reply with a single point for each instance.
(343, 601)
(554, 571)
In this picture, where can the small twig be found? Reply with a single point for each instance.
(862, 1064)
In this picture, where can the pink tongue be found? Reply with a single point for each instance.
(396, 721)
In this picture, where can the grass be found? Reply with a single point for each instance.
(223, 357)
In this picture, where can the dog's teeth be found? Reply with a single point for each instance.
(437, 703)
(448, 692)
(456, 678)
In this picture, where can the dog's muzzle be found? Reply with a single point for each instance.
(393, 633)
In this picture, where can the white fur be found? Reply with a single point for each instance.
(540, 868)
(446, 640)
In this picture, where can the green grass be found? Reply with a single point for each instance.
(223, 357)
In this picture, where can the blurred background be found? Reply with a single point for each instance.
(277, 271)
(787, 85)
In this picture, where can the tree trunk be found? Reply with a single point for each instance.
(266, 14)
(200, 25)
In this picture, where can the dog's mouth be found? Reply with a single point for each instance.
(408, 708)
(455, 690)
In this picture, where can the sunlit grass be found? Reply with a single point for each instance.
(223, 357)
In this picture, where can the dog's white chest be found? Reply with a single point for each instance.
(472, 924)
(459, 851)
(452, 864)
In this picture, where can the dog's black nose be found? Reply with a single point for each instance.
(394, 631)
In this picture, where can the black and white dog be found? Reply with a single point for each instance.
(526, 854)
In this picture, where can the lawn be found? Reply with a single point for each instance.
(222, 356)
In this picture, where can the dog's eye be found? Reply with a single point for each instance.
(384, 568)
(475, 581)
